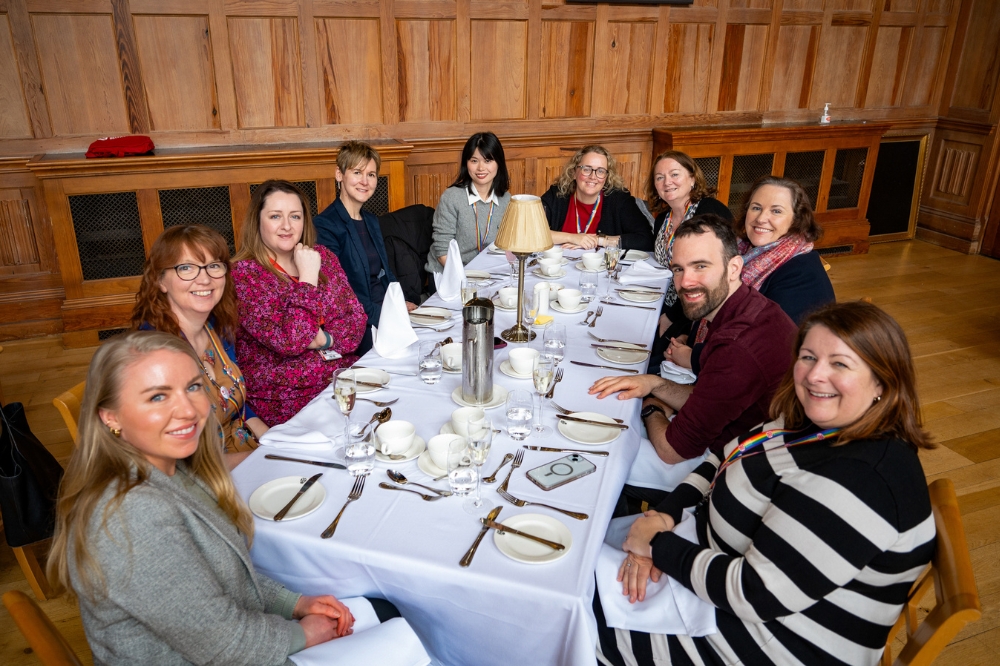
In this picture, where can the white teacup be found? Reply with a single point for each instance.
(569, 299)
(554, 252)
(508, 297)
(549, 266)
(463, 416)
(522, 359)
(395, 437)
(451, 356)
(440, 446)
(592, 260)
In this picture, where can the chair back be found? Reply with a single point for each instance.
(68, 404)
(954, 583)
(48, 644)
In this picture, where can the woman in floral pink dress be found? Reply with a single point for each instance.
(299, 318)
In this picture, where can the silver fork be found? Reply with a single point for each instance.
(556, 380)
(359, 486)
(379, 403)
(518, 459)
(520, 502)
(568, 412)
(600, 311)
(589, 315)
(637, 344)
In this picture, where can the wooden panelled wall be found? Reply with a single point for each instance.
(546, 76)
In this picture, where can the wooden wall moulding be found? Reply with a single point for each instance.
(835, 163)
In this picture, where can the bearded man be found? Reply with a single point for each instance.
(746, 349)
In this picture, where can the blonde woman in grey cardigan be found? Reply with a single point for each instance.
(470, 209)
(151, 535)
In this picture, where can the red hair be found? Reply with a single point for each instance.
(151, 305)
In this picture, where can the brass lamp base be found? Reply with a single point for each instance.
(519, 332)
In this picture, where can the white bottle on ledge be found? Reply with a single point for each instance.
(825, 118)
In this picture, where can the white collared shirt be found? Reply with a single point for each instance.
(474, 196)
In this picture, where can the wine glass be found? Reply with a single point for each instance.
(480, 441)
(554, 341)
(543, 372)
(612, 252)
(345, 388)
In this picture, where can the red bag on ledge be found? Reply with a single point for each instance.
(121, 146)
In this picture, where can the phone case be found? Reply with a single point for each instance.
(560, 472)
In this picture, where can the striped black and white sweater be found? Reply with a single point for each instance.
(807, 552)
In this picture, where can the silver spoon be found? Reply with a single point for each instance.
(427, 498)
(492, 478)
(381, 416)
(399, 478)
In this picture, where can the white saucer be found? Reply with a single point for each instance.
(500, 306)
(507, 369)
(371, 375)
(588, 435)
(451, 371)
(648, 295)
(580, 266)
(428, 467)
(538, 273)
(499, 397)
(558, 308)
(477, 275)
(272, 497)
(416, 448)
(526, 550)
(635, 255)
(622, 356)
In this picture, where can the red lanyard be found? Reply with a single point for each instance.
(281, 270)
(593, 213)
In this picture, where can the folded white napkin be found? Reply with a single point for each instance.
(391, 643)
(649, 471)
(669, 607)
(449, 281)
(642, 271)
(677, 374)
(288, 436)
(394, 333)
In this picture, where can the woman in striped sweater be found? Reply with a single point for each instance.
(813, 527)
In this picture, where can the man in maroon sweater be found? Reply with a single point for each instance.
(747, 349)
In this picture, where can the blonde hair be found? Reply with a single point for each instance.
(357, 153)
(567, 181)
(102, 461)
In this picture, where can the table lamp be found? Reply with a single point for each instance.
(523, 230)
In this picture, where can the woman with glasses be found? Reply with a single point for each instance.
(589, 206)
(187, 290)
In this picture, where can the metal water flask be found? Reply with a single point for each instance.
(477, 351)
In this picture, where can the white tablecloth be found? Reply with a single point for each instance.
(395, 545)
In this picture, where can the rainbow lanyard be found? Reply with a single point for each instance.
(743, 450)
(593, 212)
(481, 238)
(668, 241)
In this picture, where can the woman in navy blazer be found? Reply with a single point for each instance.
(354, 234)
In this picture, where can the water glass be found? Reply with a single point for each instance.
(588, 286)
(462, 475)
(468, 290)
(518, 414)
(554, 341)
(360, 452)
(480, 442)
(429, 362)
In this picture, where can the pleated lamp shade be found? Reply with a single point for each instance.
(524, 227)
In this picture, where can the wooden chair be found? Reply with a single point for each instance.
(68, 404)
(43, 637)
(950, 573)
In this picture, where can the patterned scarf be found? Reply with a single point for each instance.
(760, 262)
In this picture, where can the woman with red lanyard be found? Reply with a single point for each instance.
(589, 205)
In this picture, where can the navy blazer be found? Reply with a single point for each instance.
(335, 229)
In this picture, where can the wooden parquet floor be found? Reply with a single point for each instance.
(948, 303)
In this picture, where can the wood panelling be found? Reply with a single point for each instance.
(838, 64)
(978, 67)
(79, 66)
(499, 69)
(742, 67)
(266, 72)
(793, 69)
(176, 57)
(622, 68)
(427, 90)
(351, 76)
(567, 68)
(923, 71)
(14, 121)
(689, 63)
(128, 61)
(888, 65)
(953, 172)
(18, 249)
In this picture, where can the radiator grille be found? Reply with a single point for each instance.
(710, 167)
(202, 205)
(108, 234)
(806, 169)
(746, 170)
(308, 187)
(848, 172)
(379, 202)
(838, 249)
(110, 333)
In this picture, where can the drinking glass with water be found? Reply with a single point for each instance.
(554, 341)
(519, 414)
(588, 286)
(429, 362)
(462, 475)
(360, 452)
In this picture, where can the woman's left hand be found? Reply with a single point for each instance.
(643, 530)
(410, 307)
(328, 606)
(633, 574)
(581, 242)
(679, 353)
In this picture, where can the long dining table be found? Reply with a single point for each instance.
(396, 546)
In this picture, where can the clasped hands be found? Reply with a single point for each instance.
(323, 618)
(638, 567)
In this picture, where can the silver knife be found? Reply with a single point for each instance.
(576, 419)
(467, 558)
(551, 449)
(644, 351)
(305, 486)
(606, 367)
(271, 456)
(500, 527)
(626, 305)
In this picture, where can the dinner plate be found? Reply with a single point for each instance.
(589, 435)
(635, 255)
(477, 275)
(623, 356)
(499, 397)
(372, 376)
(500, 306)
(507, 369)
(272, 497)
(538, 273)
(428, 467)
(558, 308)
(648, 295)
(416, 448)
(580, 266)
(528, 551)
(493, 249)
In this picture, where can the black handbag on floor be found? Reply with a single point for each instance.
(29, 480)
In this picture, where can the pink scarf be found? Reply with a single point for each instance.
(760, 262)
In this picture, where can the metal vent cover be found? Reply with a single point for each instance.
(108, 234)
(209, 206)
(806, 169)
(848, 173)
(110, 333)
(710, 167)
(746, 170)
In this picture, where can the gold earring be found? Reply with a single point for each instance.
(117, 432)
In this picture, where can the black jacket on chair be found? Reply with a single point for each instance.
(407, 233)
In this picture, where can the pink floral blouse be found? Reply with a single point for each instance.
(278, 321)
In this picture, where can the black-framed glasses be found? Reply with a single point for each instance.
(587, 170)
(188, 272)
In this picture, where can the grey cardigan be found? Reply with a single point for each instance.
(179, 584)
(454, 218)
